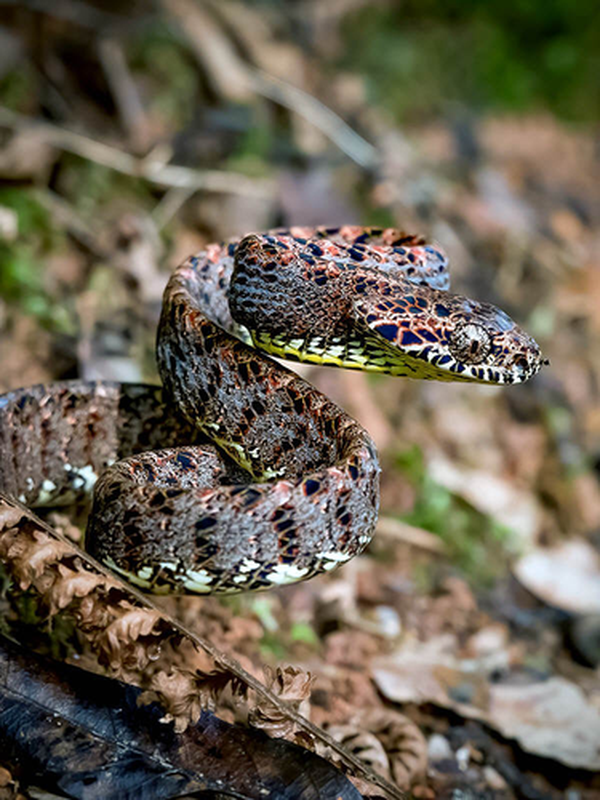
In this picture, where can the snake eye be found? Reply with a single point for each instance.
(470, 343)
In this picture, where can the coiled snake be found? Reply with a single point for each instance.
(238, 474)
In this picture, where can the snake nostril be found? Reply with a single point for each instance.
(521, 363)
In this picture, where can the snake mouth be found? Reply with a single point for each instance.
(526, 365)
(374, 352)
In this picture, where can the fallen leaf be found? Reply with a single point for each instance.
(490, 494)
(87, 736)
(553, 719)
(566, 576)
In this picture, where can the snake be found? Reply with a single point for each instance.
(237, 474)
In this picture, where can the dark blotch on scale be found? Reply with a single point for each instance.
(428, 335)
(408, 337)
(185, 461)
(311, 486)
(204, 523)
(356, 254)
(284, 525)
(388, 331)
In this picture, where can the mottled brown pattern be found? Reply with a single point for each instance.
(257, 478)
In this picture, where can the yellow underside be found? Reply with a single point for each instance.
(303, 351)
(373, 357)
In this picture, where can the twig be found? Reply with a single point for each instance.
(153, 171)
(67, 218)
(319, 115)
(237, 80)
(224, 661)
(212, 48)
(410, 534)
(168, 206)
(125, 93)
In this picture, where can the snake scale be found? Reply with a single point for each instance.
(239, 475)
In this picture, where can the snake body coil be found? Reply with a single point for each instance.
(253, 478)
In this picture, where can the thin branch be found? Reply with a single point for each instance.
(410, 534)
(213, 50)
(65, 217)
(125, 93)
(319, 115)
(149, 169)
(236, 79)
(169, 204)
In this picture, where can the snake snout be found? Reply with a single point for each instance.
(528, 363)
(522, 366)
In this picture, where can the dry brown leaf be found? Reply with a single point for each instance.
(49, 551)
(403, 742)
(181, 692)
(71, 584)
(116, 630)
(217, 681)
(5, 777)
(185, 693)
(9, 786)
(430, 672)
(93, 614)
(131, 625)
(30, 555)
(364, 744)
(125, 637)
(292, 685)
(9, 516)
(566, 576)
(179, 695)
(552, 718)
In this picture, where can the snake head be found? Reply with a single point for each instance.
(356, 307)
(426, 333)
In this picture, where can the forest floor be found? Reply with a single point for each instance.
(471, 626)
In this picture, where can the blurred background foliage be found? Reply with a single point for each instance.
(423, 58)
